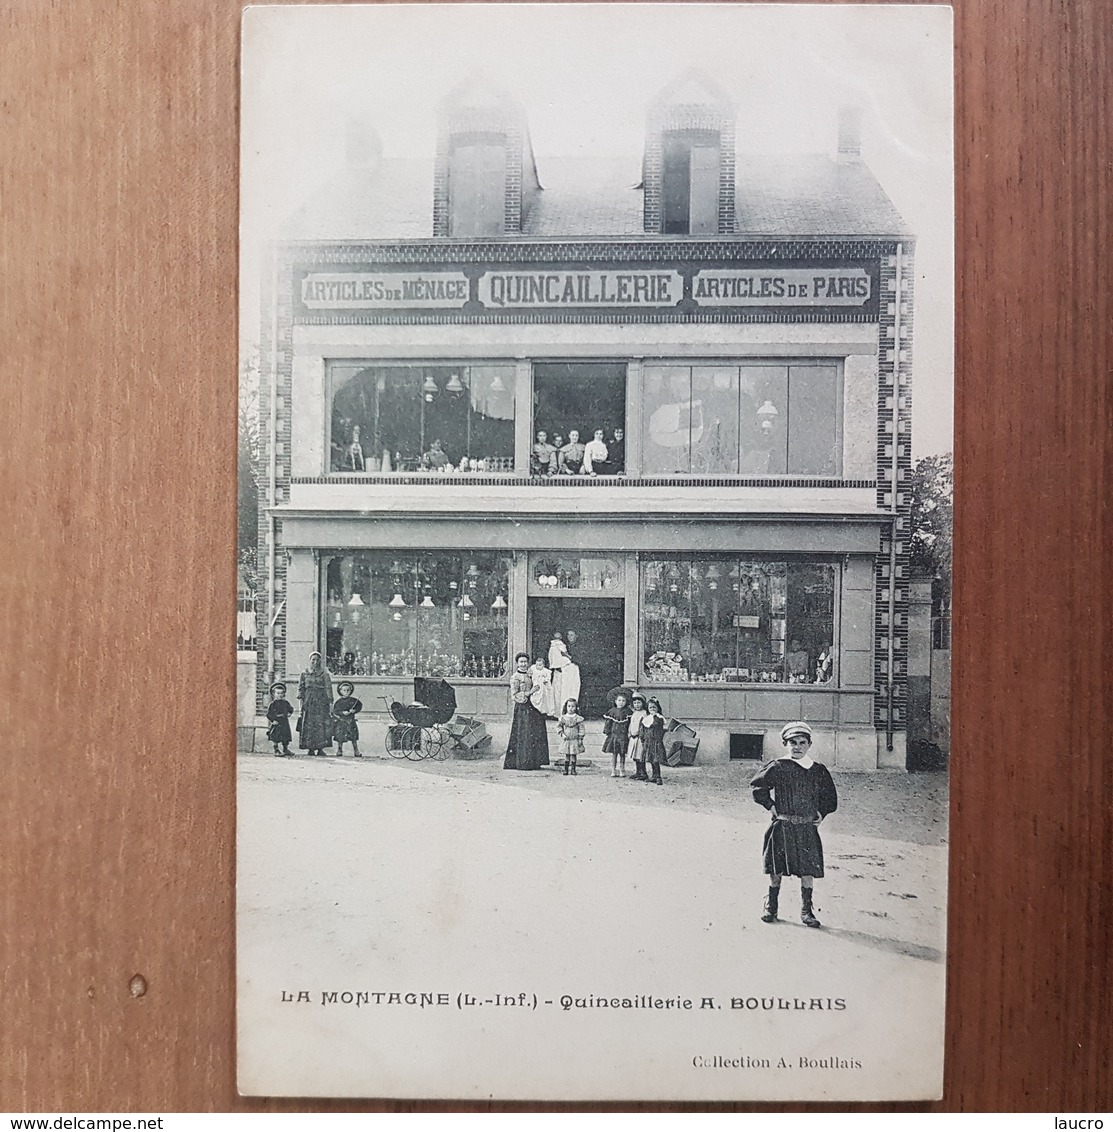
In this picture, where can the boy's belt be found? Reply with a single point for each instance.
(794, 819)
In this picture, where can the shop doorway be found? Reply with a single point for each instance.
(598, 624)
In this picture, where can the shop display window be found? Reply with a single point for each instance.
(440, 419)
(416, 615)
(723, 619)
(576, 407)
(757, 419)
(575, 572)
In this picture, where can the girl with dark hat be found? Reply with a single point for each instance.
(278, 712)
(345, 729)
(799, 793)
(635, 749)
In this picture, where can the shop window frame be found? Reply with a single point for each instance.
(324, 557)
(724, 558)
(836, 362)
(366, 363)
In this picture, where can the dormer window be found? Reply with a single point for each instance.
(690, 182)
(688, 169)
(477, 185)
(486, 179)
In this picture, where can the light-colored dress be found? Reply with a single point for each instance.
(565, 675)
(542, 696)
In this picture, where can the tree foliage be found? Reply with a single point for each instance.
(249, 471)
(932, 516)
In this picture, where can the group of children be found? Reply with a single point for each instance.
(634, 730)
(344, 729)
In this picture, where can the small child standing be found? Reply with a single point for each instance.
(571, 728)
(635, 748)
(616, 734)
(653, 739)
(279, 712)
(344, 726)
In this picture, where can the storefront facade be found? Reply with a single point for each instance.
(738, 547)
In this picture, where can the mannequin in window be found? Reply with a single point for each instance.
(595, 455)
(353, 458)
(570, 459)
(797, 663)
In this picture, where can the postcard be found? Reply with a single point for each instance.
(595, 498)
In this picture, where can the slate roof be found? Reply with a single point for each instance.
(782, 196)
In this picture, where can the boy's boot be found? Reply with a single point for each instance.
(769, 915)
(656, 779)
(573, 764)
(806, 913)
(567, 763)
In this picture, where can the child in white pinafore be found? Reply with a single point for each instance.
(571, 728)
(636, 749)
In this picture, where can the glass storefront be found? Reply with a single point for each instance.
(441, 418)
(738, 620)
(416, 615)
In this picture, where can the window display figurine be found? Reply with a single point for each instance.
(570, 459)
(595, 455)
(344, 726)
(799, 793)
(797, 661)
(823, 666)
(544, 458)
(353, 459)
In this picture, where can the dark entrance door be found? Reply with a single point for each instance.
(597, 623)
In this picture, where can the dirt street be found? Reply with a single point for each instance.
(458, 878)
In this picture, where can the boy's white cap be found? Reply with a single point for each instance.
(797, 728)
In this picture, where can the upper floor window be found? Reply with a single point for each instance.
(411, 418)
(754, 419)
(477, 185)
(690, 176)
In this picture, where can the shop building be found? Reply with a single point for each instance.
(738, 327)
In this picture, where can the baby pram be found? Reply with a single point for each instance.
(418, 731)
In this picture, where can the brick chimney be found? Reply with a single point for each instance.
(850, 135)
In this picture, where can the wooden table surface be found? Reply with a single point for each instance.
(118, 243)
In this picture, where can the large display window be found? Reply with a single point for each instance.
(450, 419)
(754, 419)
(416, 615)
(725, 619)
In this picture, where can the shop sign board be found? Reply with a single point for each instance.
(549, 290)
(396, 290)
(781, 287)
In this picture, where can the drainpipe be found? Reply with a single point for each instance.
(890, 688)
(272, 472)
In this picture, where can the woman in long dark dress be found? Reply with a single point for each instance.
(799, 793)
(528, 748)
(315, 697)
